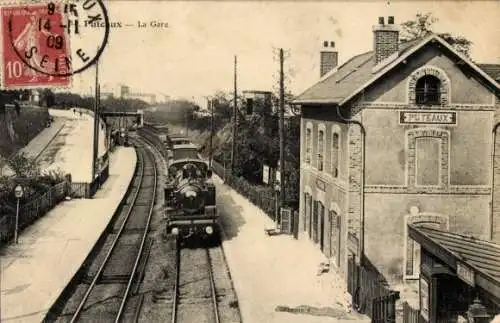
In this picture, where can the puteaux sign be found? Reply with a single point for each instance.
(428, 117)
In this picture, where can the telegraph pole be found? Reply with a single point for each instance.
(186, 122)
(235, 117)
(211, 106)
(282, 131)
(96, 122)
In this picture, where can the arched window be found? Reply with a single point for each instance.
(321, 149)
(427, 90)
(335, 154)
(308, 145)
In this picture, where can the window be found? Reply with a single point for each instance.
(427, 160)
(428, 163)
(321, 149)
(427, 90)
(308, 145)
(335, 154)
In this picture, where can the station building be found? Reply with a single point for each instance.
(401, 137)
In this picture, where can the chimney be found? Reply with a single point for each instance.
(385, 39)
(328, 58)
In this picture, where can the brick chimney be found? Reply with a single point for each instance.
(328, 57)
(385, 39)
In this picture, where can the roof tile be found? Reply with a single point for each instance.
(348, 78)
(482, 254)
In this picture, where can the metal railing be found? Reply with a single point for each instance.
(33, 210)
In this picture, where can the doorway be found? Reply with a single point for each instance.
(321, 228)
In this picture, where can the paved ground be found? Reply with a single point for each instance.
(77, 135)
(34, 272)
(44, 138)
(276, 274)
(54, 146)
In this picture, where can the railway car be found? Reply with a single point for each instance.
(190, 199)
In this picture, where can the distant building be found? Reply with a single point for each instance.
(106, 95)
(146, 97)
(258, 102)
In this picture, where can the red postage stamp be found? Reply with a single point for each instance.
(35, 47)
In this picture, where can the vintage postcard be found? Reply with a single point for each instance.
(249, 161)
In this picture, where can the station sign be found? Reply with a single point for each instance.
(265, 174)
(428, 117)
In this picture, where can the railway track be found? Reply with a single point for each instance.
(195, 294)
(104, 292)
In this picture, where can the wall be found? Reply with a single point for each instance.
(16, 131)
(464, 90)
(322, 185)
(385, 222)
(462, 193)
(386, 157)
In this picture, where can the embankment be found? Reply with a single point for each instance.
(18, 128)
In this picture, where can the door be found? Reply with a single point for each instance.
(309, 215)
(315, 222)
(335, 229)
(321, 215)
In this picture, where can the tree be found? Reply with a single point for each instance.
(421, 27)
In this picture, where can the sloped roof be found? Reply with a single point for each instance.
(351, 78)
(492, 70)
(483, 256)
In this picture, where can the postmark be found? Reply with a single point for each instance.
(44, 44)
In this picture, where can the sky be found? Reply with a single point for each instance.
(194, 55)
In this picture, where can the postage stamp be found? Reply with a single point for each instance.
(44, 44)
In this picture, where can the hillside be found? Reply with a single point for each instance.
(16, 130)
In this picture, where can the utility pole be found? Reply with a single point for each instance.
(282, 131)
(235, 117)
(186, 122)
(211, 106)
(96, 122)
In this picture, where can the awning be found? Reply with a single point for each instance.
(477, 262)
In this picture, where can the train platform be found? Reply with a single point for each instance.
(77, 135)
(276, 278)
(50, 251)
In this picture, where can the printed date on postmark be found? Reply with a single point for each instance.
(44, 44)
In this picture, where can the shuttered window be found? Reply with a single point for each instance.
(335, 154)
(321, 149)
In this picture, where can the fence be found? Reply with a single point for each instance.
(370, 293)
(88, 190)
(32, 210)
(265, 198)
(410, 315)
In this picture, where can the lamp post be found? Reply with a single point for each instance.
(18, 191)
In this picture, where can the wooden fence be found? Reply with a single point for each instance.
(264, 198)
(33, 210)
(410, 315)
(368, 290)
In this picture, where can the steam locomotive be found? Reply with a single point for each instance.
(191, 210)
